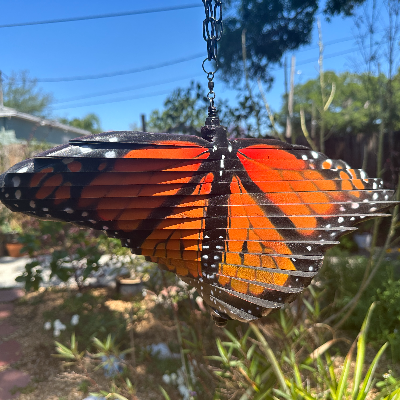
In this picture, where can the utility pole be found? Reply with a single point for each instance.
(1, 91)
(143, 116)
(289, 133)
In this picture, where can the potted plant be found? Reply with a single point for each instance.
(9, 233)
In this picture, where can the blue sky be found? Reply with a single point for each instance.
(133, 42)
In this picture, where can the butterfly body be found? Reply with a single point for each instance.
(245, 221)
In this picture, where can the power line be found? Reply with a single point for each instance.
(340, 53)
(334, 41)
(104, 93)
(100, 16)
(168, 91)
(315, 59)
(115, 100)
(123, 72)
(329, 43)
(155, 66)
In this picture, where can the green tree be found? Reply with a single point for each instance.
(185, 111)
(21, 92)
(355, 107)
(272, 28)
(90, 122)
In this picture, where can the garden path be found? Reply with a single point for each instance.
(10, 350)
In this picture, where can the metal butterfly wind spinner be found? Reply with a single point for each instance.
(245, 221)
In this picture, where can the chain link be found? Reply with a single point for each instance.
(212, 32)
(212, 27)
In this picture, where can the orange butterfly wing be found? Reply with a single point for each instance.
(246, 222)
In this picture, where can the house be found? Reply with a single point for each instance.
(17, 127)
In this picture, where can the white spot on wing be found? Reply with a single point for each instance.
(16, 181)
(85, 149)
(110, 154)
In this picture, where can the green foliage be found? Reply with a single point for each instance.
(90, 122)
(258, 370)
(21, 92)
(84, 387)
(164, 393)
(69, 252)
(70, 353)
(272, 29)
(351, 111)
(73, 253)
(74, 357)
(387, 325)
(185, 112)
(341, 387)
(92, 324)
(341, 278)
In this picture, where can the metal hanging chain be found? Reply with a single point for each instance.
(212, 32)
(212, 27)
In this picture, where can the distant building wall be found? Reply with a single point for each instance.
(29, 130)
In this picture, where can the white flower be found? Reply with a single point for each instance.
(75, 320)
(173, 377)
(58, 325)
(181, 379)
(184, 391)
(56, 332)
(166, 379)
(144, 292)
(47, 325)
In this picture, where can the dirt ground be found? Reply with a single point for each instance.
(50, 381)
